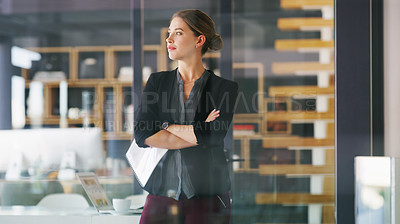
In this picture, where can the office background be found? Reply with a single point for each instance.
(281, 97)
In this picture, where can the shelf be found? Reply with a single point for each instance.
(299, 116)
(312, 45)
(306, 4)
(247, 117)
(91, 63)
(117, 136)
(296, 169)
(289, 91)
(292, 141)
(327, 169)
(85, 83)
(246, 171)
(305, 24)
(53, 60)
(294, 198)
(301, 68)
(105, 65)
(55, 120)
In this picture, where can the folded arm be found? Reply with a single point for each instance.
(148, 133)
(167, 140)
(186, 132)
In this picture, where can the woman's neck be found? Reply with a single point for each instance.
(190, 72)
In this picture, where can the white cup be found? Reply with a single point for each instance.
(121, 205)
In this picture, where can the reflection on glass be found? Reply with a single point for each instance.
(283, 151)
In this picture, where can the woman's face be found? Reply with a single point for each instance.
(181, 42)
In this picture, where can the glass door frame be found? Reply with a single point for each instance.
(359, 94)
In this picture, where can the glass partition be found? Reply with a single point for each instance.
(284, 124)
(282, 154)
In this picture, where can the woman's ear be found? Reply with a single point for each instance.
(200, 41)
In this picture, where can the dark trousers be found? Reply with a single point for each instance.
(197, 210)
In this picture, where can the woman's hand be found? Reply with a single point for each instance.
(213, 115)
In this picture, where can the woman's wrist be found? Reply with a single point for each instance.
(165, 125)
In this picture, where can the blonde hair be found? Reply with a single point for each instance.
(201, 24)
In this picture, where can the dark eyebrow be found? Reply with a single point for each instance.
(175, 29)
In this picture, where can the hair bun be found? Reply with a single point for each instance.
(216, 42)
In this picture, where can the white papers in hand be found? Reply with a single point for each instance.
(144, 160)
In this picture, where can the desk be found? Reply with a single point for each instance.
(29, 191)
(36, 215)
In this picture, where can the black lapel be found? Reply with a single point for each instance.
(172, 97)
(205, 101)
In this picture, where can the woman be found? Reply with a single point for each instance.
(188, 111)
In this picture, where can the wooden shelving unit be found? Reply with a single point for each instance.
(106, 82)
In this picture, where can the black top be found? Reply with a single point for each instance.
(206, 163)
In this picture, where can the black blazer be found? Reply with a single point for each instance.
(206, 162)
